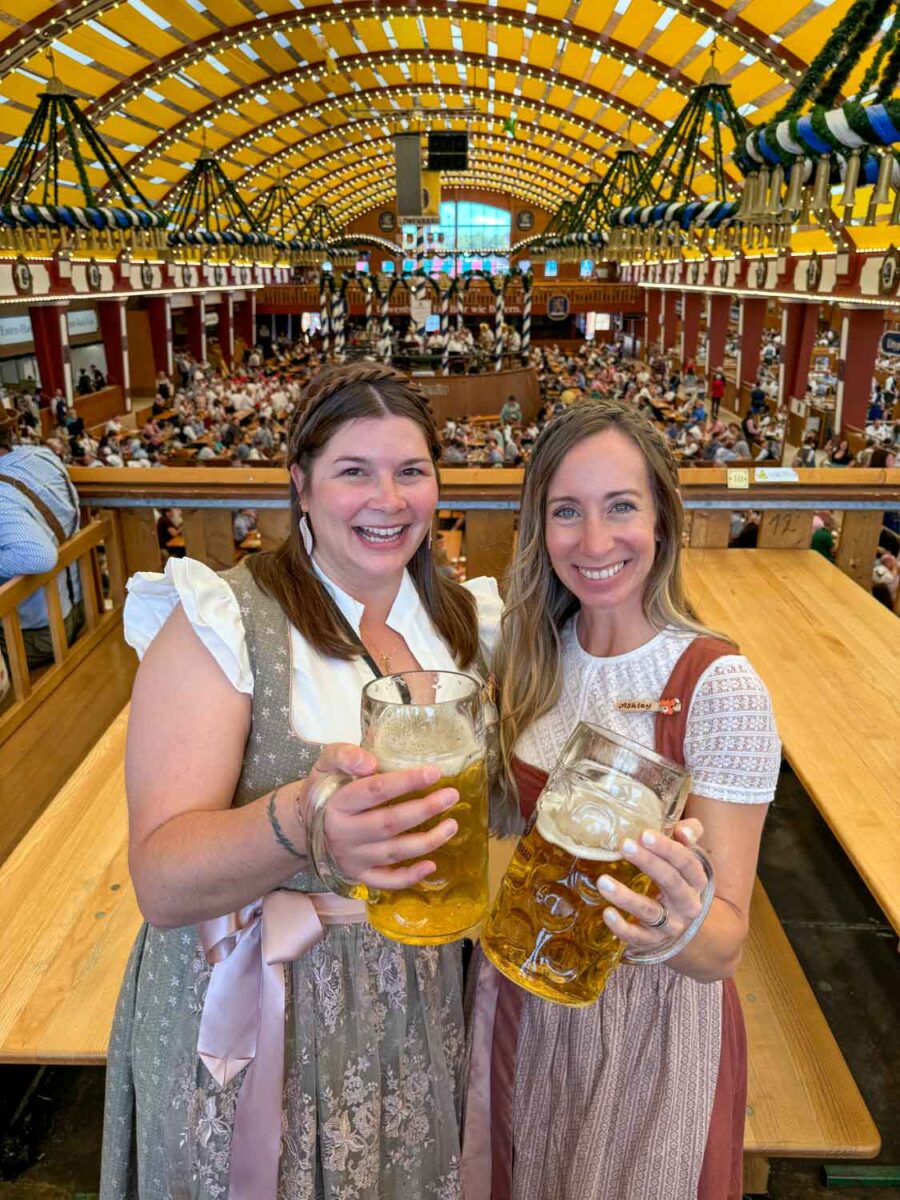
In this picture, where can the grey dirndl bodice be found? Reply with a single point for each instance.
(374, 1029)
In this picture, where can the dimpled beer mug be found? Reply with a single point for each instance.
(546, 930)
(422, 718)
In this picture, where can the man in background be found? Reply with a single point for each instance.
(38, 511)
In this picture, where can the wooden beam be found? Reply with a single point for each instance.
(857, 544)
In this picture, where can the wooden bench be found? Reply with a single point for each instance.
(68, 918)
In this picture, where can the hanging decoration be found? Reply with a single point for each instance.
(578, 224)
(814, 144)
(210, 211)
(662, 215)
(279, 213)
(33, 181)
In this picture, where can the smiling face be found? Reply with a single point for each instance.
(600, 524)
(370, 496)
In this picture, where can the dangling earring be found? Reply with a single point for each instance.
(306, 536)
(430, 531)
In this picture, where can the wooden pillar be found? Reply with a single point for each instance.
(226, 327)
(140, 547)
(489, 541)
(669, 319)
(750, 329)
(691, 303)
(857, 544)
(654, 310)
(274, 525)
(209, 536)
(245, 320)
(196, 327)
(718, 308)
(51, 346)
(799, 324)
(861, 329)
(114, 332)
(159, 309)
(785, 529)
(710, 528)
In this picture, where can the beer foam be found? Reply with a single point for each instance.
(590, 819)
(407, 740)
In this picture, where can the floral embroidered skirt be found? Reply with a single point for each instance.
(373, 1063)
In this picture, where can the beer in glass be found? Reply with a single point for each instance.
(546, 930)
(424, 718)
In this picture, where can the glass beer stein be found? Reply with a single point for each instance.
(415, 719)
(546, 930)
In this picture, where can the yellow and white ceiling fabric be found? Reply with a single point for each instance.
(311, 93)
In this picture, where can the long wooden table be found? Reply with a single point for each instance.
(830, 656)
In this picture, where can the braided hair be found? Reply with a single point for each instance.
(334, 396)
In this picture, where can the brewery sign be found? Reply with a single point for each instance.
(762, 272)
(94, 279)
(887, 274)
(146, 275)
(524, 219)
(387, 222)
(557, 307)
(23, 280)
(813, 273)
(890, 342)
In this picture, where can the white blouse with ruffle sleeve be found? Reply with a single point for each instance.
(212, 609)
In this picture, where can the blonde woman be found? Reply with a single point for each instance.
(641, 1096)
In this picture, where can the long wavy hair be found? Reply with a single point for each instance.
(527, 660)
(333, 397)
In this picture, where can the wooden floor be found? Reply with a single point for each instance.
(40, 756)
(830, 656)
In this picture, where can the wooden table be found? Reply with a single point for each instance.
(830, 656)
(69, 916)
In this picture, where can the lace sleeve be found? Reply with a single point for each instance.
(731, 745)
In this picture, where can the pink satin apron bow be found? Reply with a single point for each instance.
(242, 1024)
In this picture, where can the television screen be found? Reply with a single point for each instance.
(550, 268)
(409, 264)
(387, 266)
(326, 266)
(448, 151)
(432, 323)
(587, 268)
(524, 265)
(362, 266)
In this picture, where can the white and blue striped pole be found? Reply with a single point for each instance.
(337, 325)
(526, 318)
(386, 347)
(370, 301)
(445, 331)
(498, 328)
(324, 319)
(419, 291)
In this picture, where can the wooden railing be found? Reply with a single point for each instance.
(490, 499)
(102, 608)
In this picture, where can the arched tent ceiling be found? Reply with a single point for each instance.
(311, 92)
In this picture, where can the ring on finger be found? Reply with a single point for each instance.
(661, 919)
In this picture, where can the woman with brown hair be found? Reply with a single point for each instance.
(268, 1042)
(640, 1096)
